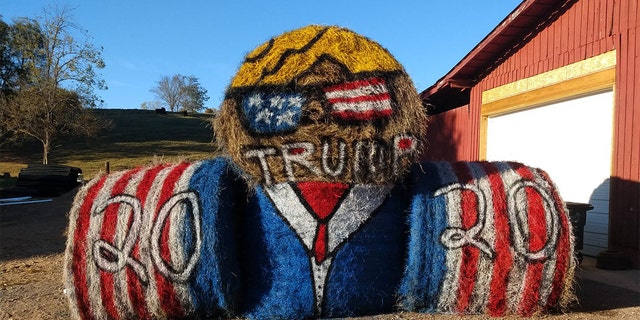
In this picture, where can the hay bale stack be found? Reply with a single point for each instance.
(311, 212)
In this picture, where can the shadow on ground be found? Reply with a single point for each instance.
(598, 296)
(28, 230)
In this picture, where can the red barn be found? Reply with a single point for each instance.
(554, 86)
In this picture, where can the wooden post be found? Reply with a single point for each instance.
(106, 164)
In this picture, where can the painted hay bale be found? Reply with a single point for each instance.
(322, 122)
(318, 217)
(321, 104)
(487, 237)
(296, 268)
(153, 243)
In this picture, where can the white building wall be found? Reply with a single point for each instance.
(572, 141)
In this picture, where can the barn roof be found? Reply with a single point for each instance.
(453, 89)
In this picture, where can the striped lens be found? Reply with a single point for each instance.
(361, 100)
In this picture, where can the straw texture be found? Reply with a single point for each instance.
(323, 104)
(319, 208)
(153, 242)
(487, 237)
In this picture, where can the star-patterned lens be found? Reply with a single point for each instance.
(272, 113)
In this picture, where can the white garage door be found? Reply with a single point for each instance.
(571, 140)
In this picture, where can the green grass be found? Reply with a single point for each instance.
(137, 138)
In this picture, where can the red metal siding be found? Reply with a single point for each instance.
(625, 187)
(586, 29)
(583, 31)
(446, 137)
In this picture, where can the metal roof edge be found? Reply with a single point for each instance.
(476, 50)
(516, 20)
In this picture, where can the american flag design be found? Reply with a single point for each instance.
(486, 237)
(360, 100)
(272, 113)
(138, 248)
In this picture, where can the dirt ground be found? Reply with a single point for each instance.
(32, 244)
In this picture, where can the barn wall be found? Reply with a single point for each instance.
(586, 29)
(625, 183)
(447, 137)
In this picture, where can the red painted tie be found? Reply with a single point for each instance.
(322, 198)
(320, 244)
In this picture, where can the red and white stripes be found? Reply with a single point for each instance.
(360, 100)
(508, 239)
(126, 249)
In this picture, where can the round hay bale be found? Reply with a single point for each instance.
(487, 237)
(321, 104)
(145, 244)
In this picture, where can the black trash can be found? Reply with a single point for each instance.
(578, 217)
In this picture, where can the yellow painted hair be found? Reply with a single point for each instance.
(283, 58)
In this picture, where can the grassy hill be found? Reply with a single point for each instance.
(137, 137)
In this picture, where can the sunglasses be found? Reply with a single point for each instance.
(355, 101)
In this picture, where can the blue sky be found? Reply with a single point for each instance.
(146, 39)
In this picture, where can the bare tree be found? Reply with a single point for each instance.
(58, 82)
(169, 91)
(181, 93)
